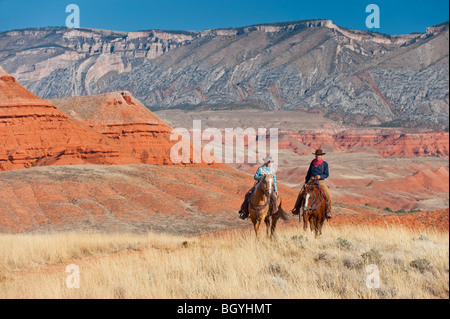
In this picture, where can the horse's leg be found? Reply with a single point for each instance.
(267, 222)
(311, 222)
(259, 222)
(317, 221)
(253, 218)
(322, 219)
(305, 221)
(316, 228)
(273, 226)
(255, 227)
(258, 227)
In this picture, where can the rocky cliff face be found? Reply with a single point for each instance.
(112, 128)
(33, 132)
(351, 76)
(387, 143)
(123, 119)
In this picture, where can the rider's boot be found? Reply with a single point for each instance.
(296, 210)
(274, 203)
(243, 212)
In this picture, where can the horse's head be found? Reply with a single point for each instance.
(267, 183)
(310, 196)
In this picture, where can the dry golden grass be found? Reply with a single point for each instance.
(228, 265)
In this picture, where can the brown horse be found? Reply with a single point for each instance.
(313, 205)
(259, 206)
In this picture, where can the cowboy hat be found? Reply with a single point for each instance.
(319, 152)
(267, 159)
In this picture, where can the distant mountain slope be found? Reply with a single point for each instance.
(357, 77)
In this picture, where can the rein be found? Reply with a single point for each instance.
(313, 207)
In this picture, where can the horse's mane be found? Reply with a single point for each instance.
(259, 182)
(261, 179)
(315, 186)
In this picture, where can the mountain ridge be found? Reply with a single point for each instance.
(276, 24)
(352, 76)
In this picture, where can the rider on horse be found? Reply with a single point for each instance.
(263, 170)
(318, 171)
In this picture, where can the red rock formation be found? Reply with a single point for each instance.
(111, 128)
(33, 132)
(385, 143)
(122, 118)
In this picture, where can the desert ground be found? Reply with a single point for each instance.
(347, 262)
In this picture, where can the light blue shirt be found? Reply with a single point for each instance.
(267, 170)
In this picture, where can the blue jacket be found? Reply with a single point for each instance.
(266, 170)
(321, 170)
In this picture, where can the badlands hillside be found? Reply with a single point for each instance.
(108, 129)
(34, 132)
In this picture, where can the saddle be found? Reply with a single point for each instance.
(320, 190)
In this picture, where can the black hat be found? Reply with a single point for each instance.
(319, 152)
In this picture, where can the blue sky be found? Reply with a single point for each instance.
(396, 17)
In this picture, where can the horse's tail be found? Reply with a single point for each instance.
(281, 213)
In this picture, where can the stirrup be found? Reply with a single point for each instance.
(242, 215)
(295, 211)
